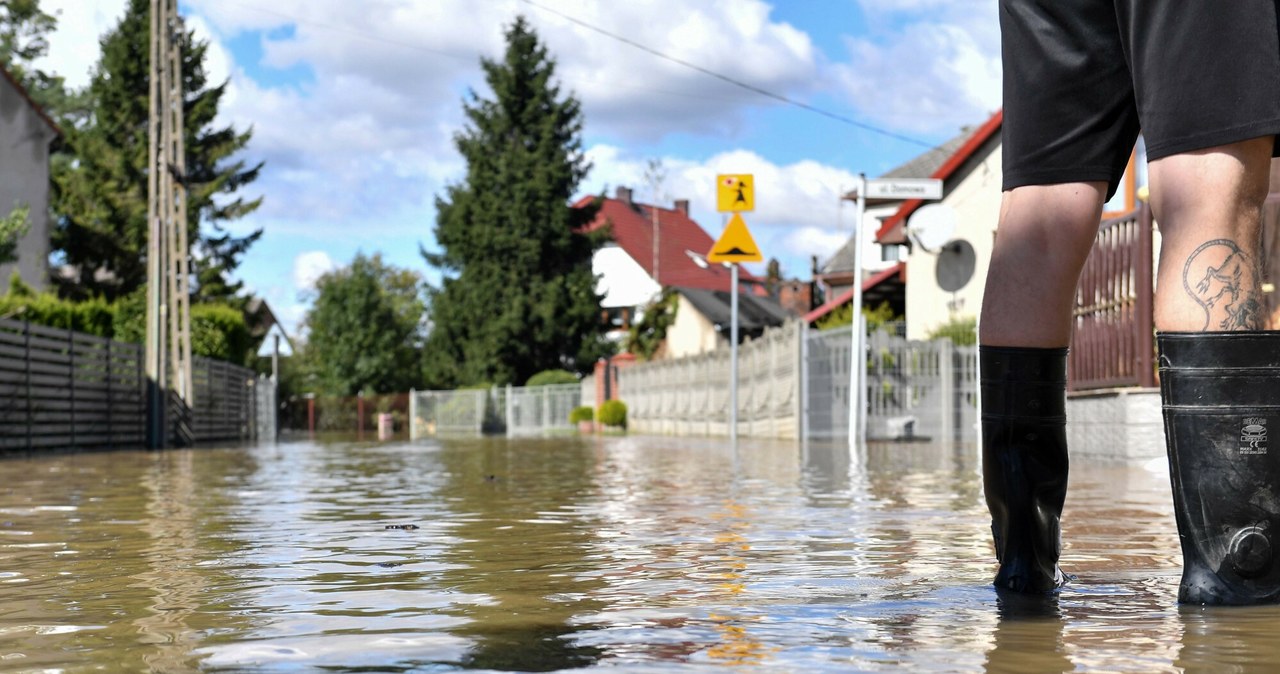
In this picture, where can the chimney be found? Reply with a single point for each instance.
(682, 205)
(796, 297)
(623, 194)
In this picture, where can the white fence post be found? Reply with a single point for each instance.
(413, 414)
(947, 389)
(508, 426)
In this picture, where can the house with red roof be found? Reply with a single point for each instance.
(26, 133)
(654, 248)
(948, 281)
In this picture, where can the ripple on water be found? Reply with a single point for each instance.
(637, 554)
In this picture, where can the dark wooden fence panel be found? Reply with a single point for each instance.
(224, 400)
(1113, 340)
(62, 389)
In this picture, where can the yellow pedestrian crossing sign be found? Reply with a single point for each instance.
(735, 192)
(735, 244)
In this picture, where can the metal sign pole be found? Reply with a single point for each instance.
(857, 357)
(733, 356)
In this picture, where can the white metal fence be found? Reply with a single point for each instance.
(916, 389)
(541, 409)
(794, 382)
(825, 355)
(448, 412)
(514, 410)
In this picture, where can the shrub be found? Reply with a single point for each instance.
(552, 377)
(92, 317)
(130, 321)
(219, 332)
(962, 331)
(580, 414)
(613, 413)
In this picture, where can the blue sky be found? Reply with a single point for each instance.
(353, 107)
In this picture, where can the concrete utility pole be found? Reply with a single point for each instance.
(168, 349)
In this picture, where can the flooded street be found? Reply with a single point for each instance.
(648, 554)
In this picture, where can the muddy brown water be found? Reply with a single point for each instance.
(637, 554)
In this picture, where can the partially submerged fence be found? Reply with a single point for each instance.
(690, 396)
(60, 389)
(795, 382)
(63, 389)
(514, 410)
(356, 414)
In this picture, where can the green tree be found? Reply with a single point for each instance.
(518, 295)
(101, 195)
(843, 315)
(24, 30)
(773, 276)
(12, 228)
(365, 329)
(648, 334)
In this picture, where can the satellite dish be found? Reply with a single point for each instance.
(932, 226)
(955, 265)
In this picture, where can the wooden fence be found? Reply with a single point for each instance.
(1113, 343)
(61, 389)
(225, 400)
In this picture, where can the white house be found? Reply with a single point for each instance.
(25, 134)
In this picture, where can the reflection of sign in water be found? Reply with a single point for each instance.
(735, 192)
(735, 244)
(737, 645)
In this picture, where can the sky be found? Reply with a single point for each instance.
(353, 108)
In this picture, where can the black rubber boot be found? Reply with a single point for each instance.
(1024, 462)
(1221, 395)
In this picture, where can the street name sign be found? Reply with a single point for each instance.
(904, 188)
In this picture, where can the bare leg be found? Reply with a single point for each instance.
(1209, 207)
(1044, 235)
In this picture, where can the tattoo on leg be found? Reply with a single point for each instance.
(1223, 280)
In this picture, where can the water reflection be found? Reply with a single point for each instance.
(172, 557)
(622, 552)
(520, 546)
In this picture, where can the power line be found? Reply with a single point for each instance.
(625, 40)
(413, 46)
(735, 82)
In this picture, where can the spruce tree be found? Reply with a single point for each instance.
(101, 193)
(518, 295)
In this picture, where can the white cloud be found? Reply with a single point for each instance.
(372, 122)
(815, 241)
(308, 267)
(934, 67)
(73, 48)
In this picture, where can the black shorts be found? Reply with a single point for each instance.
(1082, 76)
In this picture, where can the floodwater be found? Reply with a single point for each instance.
(639, 554)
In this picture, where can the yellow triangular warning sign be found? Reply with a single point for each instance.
(735, 244)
